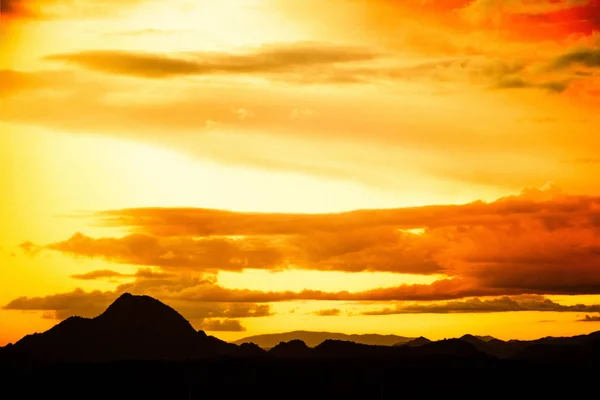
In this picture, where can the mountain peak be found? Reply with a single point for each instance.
(132, 327)
(138, 314)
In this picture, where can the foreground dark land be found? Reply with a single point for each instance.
(300, 379)
(140, 348)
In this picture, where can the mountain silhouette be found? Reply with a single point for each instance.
(141, 348)
(312, 339)
(143, 328)
(133, 327)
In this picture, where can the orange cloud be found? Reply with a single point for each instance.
(90, 304)
(594, 318)
(318, 63)
(267, 59)
(331, 312)
(105, 273)
(523, 20)
(502, 304)
(54, 9)
(16, 9)
(226, 325)
(541, 242)
(200, 254)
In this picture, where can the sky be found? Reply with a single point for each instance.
(411, 167)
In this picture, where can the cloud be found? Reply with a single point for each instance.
(201, 302)
(580, 57)
(332, 312)
(100, 274)
(539, 242)
(61, 9)
(16, 9)
(503, 304)
(493, 21)
(594, 318)
(157, 113)
(105, 273)
(541, 19)
(171, 289)
(520, 83)
(30, 248)
(199, 254)
(216, 325)
(307, 62)
(268, 59)
(63, 305)
(480, 10)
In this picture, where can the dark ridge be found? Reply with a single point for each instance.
(292, 349)
(420, 341)
(251, 350)
(143, 328)
(448, 348)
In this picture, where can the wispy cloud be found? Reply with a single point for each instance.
(593, 318)
(502, 304)
(271, 59)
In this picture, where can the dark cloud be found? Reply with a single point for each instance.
(204, 303)
(100, 274)
(444, 289)
(15, 8)
(106, 273)
(226, 325)
(267, 59)
(46, 9)
(582, 57)
(517, 82)
(332, 312)
(304, 63)
(587, 318)
(63, 305)
(503, 304)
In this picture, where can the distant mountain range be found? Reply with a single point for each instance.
(143, 328)
(313, 339)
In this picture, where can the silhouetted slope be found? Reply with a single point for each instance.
(313, 339)
(292, 349)
(447, 348)
(338, 349)
(133, 327)
(251, 350)
(341, 349)
(579, 349)
(420, 341)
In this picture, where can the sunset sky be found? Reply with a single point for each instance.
(415, 167)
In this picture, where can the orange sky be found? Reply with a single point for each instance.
(213, 154)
